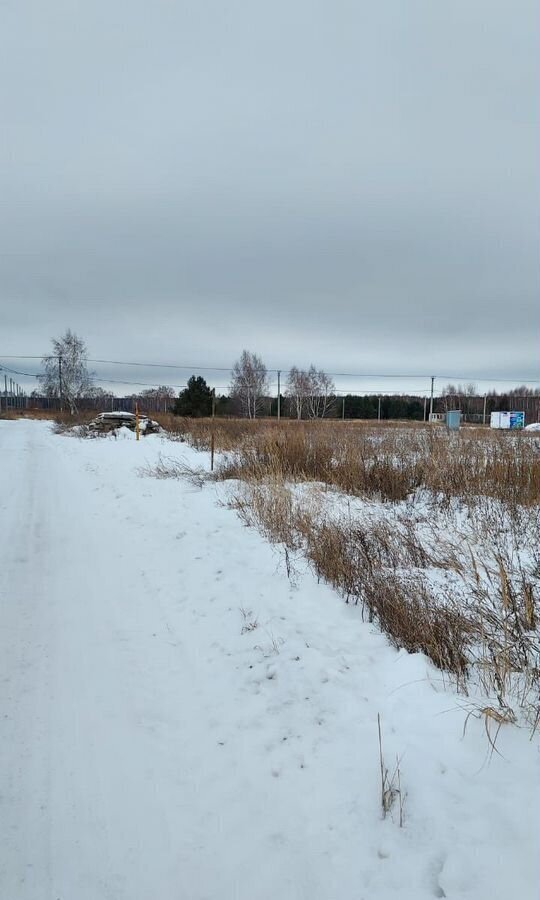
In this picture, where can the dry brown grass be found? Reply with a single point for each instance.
(373, 565)
(229, 434)
(483, 619)
(382, 462)
(36, 414)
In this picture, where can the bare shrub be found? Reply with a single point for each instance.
(250, 621)
(176, 468)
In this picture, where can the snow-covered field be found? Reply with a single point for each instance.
(180, 721)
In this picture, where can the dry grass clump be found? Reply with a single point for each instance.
(272, 509)
(405, 607)
(467, 611)
(369, 565)
(390, 784)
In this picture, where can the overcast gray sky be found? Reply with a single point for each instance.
(350, 183)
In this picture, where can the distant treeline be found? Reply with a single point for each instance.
(350, 406)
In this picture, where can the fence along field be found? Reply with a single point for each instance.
(435, 536)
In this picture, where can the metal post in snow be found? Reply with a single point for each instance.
(213, 436)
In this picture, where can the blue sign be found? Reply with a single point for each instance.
(517, 420)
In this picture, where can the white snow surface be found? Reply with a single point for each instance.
(153, 747)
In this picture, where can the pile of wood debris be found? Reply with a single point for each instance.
(111, 421)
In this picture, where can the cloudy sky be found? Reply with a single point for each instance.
(350, 183)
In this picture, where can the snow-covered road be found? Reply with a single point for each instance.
(153, 747)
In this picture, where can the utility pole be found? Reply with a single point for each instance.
(431, 398)
(484, 415)
(279, 395)
(60, 387)
(343, 409)
(213, 435)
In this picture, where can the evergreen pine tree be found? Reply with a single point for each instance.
(195, 400)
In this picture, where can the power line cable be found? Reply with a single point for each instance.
(150, 365)
(152, 384)
(16, 372)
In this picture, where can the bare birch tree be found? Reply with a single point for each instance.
(298, 390)
(311, 392)
(249, 383)
(66, 374)
(321, 395)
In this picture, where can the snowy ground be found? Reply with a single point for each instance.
(153, 746)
